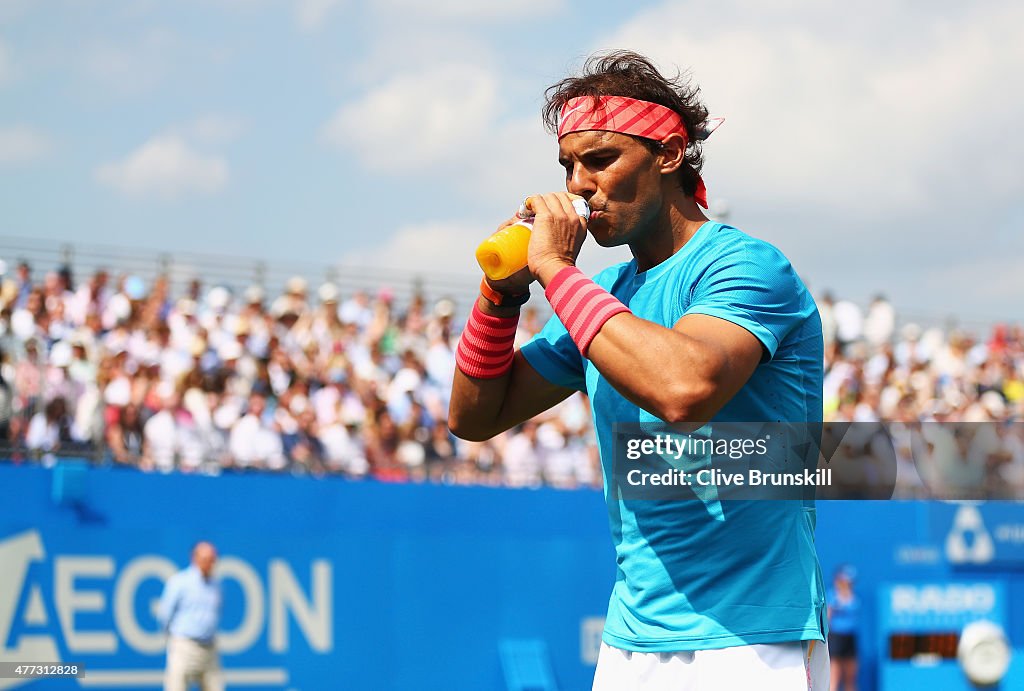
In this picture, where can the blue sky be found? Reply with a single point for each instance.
(877, 145)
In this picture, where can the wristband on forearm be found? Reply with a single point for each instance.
(582, 305)
(485, 349)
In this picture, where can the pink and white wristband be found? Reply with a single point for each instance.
(485, 350)
(582, 305)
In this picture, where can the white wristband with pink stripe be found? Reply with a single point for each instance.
(582, 305)
(485, 349)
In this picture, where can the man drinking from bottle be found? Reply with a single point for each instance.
(705, 324)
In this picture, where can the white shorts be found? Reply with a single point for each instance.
(796, 666)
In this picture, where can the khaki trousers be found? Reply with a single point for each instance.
(189, 662)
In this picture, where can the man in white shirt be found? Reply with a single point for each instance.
(252, 443)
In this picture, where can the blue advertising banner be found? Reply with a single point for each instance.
(328, 584)
(361, 585)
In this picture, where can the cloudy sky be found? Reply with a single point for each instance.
(877, 145)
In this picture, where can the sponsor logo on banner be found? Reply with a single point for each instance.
(50, 606)
(969, 542)
(977, 599)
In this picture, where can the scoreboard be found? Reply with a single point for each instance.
(933, 635)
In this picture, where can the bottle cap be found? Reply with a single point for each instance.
(579, 203)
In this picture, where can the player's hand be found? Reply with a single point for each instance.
(558, 235)
(519, 282)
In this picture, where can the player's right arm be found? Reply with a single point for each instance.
(482, 408)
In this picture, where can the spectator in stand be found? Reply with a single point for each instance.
(91, 297)
(381, 328)
(24, 283)
(440, 448)
(293, 301)
(356, 310)
(59, 381)
(414, 321)
(25, 320)
(161, 437)
(849, 321)
(253, 444)
(50, 430)
(382, 440)
(880, 322)
(28, 379)
(82, 369)
(521, 457)
(411, 454)
(326, 327)
(65, 283)
(8, 341)
(125, 438)
(6, 405)
(343, 448)
(529, 325)
(256, 321)
(304, 450)
(440, 355)
(194, 291)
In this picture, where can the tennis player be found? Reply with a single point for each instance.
(706, 323)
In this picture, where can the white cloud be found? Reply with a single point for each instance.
(165, 167)
(311, 15)
(21, 143)
(417, 119)
(409, 45)
(214, 128)
(902, 111)
(516, 159)
(449, 120)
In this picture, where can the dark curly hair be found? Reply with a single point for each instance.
(625, 73)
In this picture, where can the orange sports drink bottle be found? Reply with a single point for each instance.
(504, 253)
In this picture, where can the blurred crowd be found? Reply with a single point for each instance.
(952, 404)
(305, 382)
(311, 381)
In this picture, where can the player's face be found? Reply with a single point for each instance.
(620, 179)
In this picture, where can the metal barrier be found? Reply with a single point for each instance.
(234, 272)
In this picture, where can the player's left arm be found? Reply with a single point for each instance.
(683, 374)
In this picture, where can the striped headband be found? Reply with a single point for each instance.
(630, 116)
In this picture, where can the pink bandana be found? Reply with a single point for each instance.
(629, 116)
